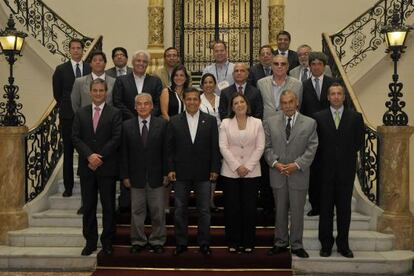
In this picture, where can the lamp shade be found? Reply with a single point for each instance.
(11, 40)
(396, 38)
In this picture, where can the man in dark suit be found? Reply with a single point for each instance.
(193, 161)
(96, 136)
(240, 75)
(63, 79)
(314, 99)
(128, 86)
(143, 166)
(283, 43)
(125, 90)
(120, 60)
(264, 67)
(341, 135)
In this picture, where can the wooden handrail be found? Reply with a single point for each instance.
(53, 102)
(346, 81)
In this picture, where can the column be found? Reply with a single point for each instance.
(276, 20)
(394, 178)
(155, 34)
(12, 180)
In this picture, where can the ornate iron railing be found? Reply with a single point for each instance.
(43, 141)
(43, 24)
(368, 165)
(363, 36)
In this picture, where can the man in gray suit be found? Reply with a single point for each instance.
(291, 143)
(302, 72)
(272, 86)
(120, 60)
(80, 95)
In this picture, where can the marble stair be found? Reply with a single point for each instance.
(54, 241)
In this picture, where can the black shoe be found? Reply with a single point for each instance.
(325, 252)
(232, 249)
(157, 249)
(88, 250)
(179, 249)
(347, 253)
(205, 250)
(80, 211)
(67, 194)
(313, 213)
(301, 253)
(108, 250)
(248, 250)
(277, 250)
(136, 248)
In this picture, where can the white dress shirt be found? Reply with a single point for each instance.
(193, 123)
(101, 106)
(95, 76)
(141, 124)
(139, 82)
(74, 66)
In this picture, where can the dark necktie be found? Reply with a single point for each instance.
(288, 128)
(78, 71)
(144, 132)
(305, 74)
(240, 89)
(267, 71)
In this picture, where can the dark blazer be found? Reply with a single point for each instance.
(256, 73)
(125, 91)
(193, 161)
(310, 102)
(112, 71)
(144, 164)
(292, 58)
(338, 148)
(105, 141)
(252, 94)
(63, 79)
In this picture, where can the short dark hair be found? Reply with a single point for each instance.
(170, 48)
(76, 40)
(336, 84)
(219, 42)
(122, 49)
(283, 32)
(177, 68)
(98, 53)
(96, 81)
(266, 46)
(206, 75)
(191, 89)
(318, 56)
(230, 110)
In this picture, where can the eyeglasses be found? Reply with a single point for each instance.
(279, 63)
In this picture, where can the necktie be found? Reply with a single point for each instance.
(317, 88)
(78, 71)
(337, 119)
(267, 71)
(240, 89)
(95, 118)
(288, 128)
(120, 72)
(144, 132)
(305, 74)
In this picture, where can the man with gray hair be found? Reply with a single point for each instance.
(302, 71)
(143, 166)
(128, 86)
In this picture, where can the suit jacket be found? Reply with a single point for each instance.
(296, 72)
(265, 86)
(125, 91)
(105, 141)
(338, 148)
(252, 94)
(144, 164)
(162, 73)
(300, 148)
(193, 161)
(63, 79)
(112, 71)
(80, 95)
(310, 102)
(236, 151)
(256, 73)
(292, 58)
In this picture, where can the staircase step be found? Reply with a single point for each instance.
(59, 218)
(379, 262)
(41, 258)
(57, 201)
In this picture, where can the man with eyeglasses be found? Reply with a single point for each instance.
(272, 86)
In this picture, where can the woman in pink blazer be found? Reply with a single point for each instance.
(242, 143)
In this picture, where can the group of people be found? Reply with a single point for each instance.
(279, 128)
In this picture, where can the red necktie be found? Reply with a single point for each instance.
(95, 118)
